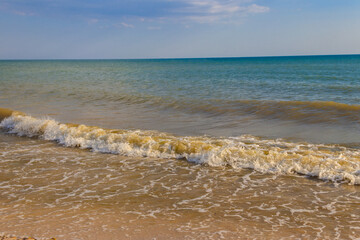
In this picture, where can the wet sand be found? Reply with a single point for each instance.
(48, 190)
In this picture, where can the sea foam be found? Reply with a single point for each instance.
(327, 162)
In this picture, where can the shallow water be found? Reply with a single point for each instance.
(248, 148)
(312, 99)
(68, 193)
(327, 162)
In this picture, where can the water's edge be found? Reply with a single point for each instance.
(327, 162)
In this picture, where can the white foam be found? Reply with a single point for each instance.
(269, 156)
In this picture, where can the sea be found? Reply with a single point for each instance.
(208, 148)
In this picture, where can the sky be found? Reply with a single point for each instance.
(121, 29)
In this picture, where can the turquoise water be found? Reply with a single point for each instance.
(315, 78)
(310, 98)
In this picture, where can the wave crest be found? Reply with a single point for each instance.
(300, 111)
(328, 162)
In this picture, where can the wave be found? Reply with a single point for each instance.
(5, 112)
(327, 162)
(299, 111)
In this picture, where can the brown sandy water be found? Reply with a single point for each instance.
(48, 190)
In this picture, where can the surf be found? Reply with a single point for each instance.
(276, 156)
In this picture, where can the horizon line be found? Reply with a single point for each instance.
(176, 58)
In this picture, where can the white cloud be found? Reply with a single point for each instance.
(127, 25)
(254, 8)
(123, 25)
(217, 7)
(207, 11)
(183, 11)
(212, 7)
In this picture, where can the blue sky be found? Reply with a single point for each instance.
(53, 29)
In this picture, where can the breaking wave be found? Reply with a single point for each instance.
(327, 162)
